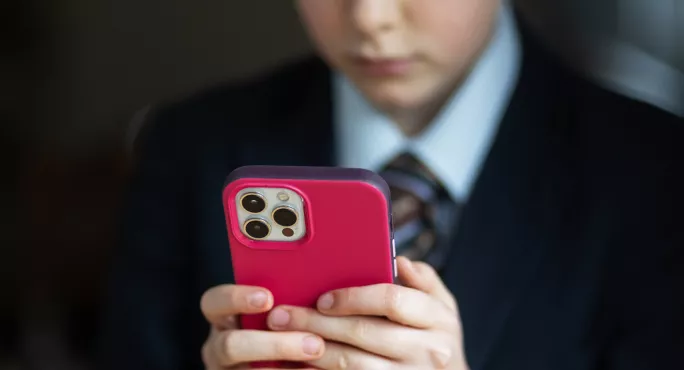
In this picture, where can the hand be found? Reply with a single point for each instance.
(230, 348)
(384, 326)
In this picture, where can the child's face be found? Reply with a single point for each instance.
(401, 54)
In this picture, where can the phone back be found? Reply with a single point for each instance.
(346, 242)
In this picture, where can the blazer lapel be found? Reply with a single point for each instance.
(514, 214)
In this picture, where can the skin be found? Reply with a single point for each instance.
(406, 57)
(441, 39)
(379, 327)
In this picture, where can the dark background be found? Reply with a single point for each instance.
(73, 74)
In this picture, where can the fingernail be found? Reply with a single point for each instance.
(280, 318)
(326, 301)
(257, 299)
(311, 345)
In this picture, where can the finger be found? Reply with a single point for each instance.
(221, 303)
(232, 347)
(421, 276)
(210, 361)
(341, 356)
(406, 306)
(372, 334)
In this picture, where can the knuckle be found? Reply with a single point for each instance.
(441, 351)
(352, 360)
(358, 363)
(342, 362)
(226, 347)
(359, 329)
(393, 300)
(441, 358)
(283, 349)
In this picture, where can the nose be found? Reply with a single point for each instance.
(372, 17)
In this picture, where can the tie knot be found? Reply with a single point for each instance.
(424, 215)
(408, 174)
(408, 163)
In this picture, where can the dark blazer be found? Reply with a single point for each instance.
(569, 254)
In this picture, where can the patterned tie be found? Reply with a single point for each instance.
(425, 217)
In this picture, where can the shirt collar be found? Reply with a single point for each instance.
(456, 143)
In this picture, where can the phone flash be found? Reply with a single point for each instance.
(282, 196)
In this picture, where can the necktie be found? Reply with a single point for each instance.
(424, 215)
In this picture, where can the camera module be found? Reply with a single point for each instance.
(253, 202)
(285, 216)
(257, 229)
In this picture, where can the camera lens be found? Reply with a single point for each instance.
(257, 229)
(285, 216)
(253, 203)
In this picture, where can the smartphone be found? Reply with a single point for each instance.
(303, 231)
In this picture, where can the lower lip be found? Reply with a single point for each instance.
(385, 68)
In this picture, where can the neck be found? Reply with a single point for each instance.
(413, 121)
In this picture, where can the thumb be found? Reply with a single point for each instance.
(421, 276)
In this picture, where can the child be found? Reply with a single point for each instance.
(558, 201)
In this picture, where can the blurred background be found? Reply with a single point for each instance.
(76, 76)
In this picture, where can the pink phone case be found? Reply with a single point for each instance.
(348, 241)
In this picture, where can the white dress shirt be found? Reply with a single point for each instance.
(456, 143)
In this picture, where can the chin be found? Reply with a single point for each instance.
(395, 95)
